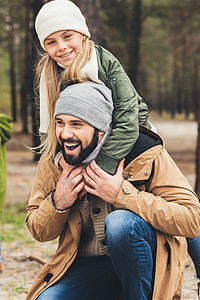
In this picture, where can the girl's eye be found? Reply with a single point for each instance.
(67, 36)
(50, 43)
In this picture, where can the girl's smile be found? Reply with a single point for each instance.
(63, 46)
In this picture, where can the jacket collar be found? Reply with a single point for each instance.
(140, 168)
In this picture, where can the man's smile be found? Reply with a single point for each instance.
(71, 146)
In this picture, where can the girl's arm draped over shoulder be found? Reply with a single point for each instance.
(128, 106)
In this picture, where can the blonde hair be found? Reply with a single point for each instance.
(53, 82)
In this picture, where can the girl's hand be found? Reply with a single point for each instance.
(102, 184)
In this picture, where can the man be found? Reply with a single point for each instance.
(147, 211)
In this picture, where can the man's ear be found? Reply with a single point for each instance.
(101, 134)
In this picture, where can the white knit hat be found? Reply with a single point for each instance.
(59, 15)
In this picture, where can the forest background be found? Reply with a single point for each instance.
(157, 42)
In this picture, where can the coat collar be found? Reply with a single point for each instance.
(140, 168)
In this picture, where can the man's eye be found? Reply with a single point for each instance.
(77, 124)
(59, 123)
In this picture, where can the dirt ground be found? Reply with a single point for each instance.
(18, 270)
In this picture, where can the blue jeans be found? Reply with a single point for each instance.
(194, 252)
(88, 278)
(132, 249)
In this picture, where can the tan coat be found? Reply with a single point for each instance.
(160, 195)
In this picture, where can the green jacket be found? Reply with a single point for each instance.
(5, 135)
(129, 111)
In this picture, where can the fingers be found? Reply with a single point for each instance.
(70, 171)
(63, 163)
(75, 181)
(120, 167)
(90, 190)
(96, 169)
(78, 188)
(66, 171)
(88, 179)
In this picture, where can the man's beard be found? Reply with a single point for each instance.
(84, 153)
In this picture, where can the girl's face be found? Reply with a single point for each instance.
(63, 46)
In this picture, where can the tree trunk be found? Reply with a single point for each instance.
(91, 9)
(197, 183)
(12, 79)
(34, 45)
(11, 50)
(25, 78)
(134, 44)
(27, 88)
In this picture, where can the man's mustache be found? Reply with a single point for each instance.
(70, 140)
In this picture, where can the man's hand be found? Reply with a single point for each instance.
(101, 183)
(63, 163)
(68, 187)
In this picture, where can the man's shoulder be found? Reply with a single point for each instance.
(147, 139)
(47, 167)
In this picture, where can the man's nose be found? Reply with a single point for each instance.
(67, 133)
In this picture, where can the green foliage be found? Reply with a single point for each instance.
(4, 82)
(169, 48)
(16, 290)
(13, 225)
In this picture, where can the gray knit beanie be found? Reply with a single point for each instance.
(59, 15)
(89, 101)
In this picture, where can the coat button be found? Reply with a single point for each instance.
(96, 210)
(146, 173)
(123, 198)
(48, 276)
(126, 190)
(103, 242)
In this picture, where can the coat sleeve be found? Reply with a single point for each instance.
(43, 220)
(127, 106)
(169, 204)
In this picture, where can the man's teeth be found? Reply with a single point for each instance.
(71, 144)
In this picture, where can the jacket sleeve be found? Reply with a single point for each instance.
(43, 220)
(168, 204)
(125, 125)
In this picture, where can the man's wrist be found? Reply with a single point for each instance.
(54, 205)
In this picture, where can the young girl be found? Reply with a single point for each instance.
(72, 57)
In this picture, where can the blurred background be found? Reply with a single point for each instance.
(158, 44)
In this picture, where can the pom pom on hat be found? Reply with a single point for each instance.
(59, 15)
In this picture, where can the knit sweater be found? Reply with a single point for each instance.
(93, 213)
